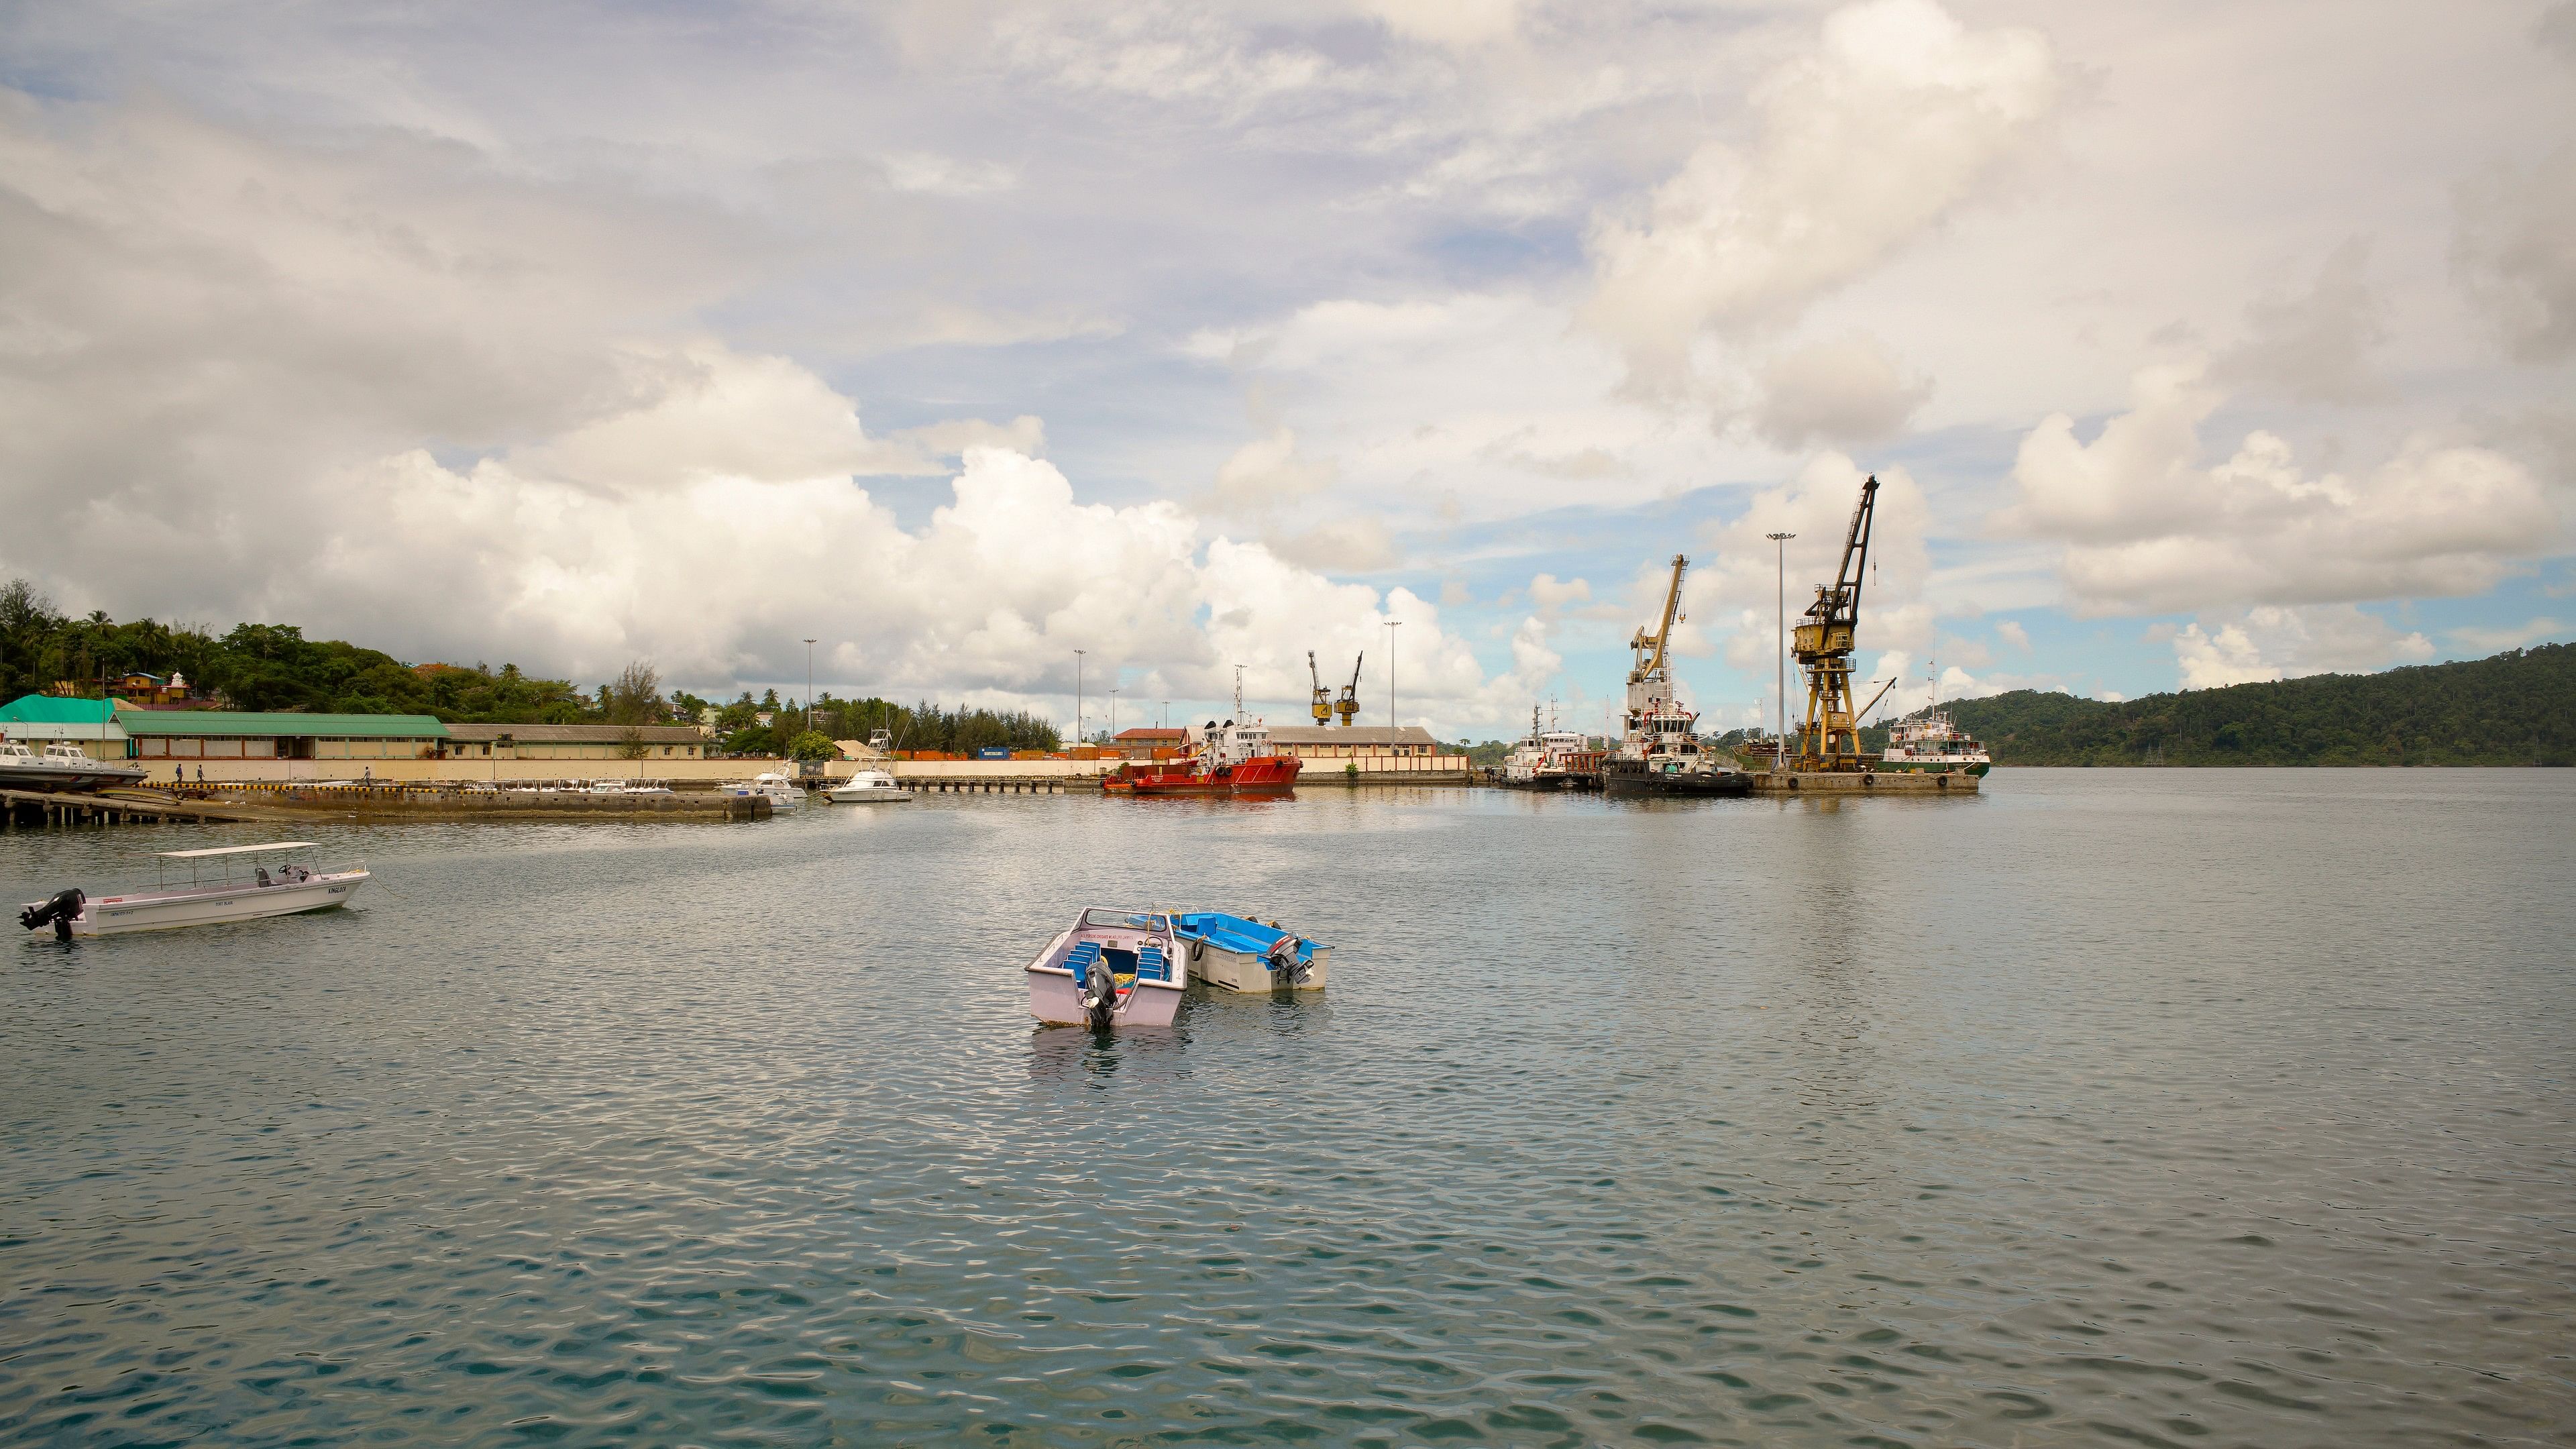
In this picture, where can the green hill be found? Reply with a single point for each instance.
(2518, 708)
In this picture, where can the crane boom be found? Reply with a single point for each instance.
(1320, 703)
(1647, 665)
(1348, 706)
(1824, 648)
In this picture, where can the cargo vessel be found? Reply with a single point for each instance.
(1222, 759)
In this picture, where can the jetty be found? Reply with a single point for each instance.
(1863, 782)
(39, 809)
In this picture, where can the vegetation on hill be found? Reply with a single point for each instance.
(2517, 708)
(274, 667)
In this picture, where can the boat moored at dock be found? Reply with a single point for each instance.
(62, 769)
(782, 793)
(1237, 953)
(1223, 759)
(868, 787)
(225, 883)
(1109, 968)
(1930, 742)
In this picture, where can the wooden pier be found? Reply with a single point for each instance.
(38, 809)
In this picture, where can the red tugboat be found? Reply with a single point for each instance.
(1224, 759)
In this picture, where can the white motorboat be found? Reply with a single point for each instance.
(784, 793)
(1239, 953)
(868, 786)
(62, 767)
(224, 883)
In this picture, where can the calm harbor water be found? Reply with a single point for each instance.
(2162, 1107)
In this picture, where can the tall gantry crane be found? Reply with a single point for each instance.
(1650, 683)
(1830, 739)
(1348, 706)
(1320, 704)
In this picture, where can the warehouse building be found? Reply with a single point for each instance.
(573, 742)
(213, 734)
(1368, 750)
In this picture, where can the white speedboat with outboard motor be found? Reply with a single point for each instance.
(63, 768)
(867, 787)
(1109, 968)
(224, 883)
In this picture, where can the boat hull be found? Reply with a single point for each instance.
(72, 780)
(1930, 767)
(1245, 972)
(1055, 1000)
(117, 915)
(1638, 782)
(867, 797)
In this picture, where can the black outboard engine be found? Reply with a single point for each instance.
(60, 910)
(1099, 994)
(1285, 968)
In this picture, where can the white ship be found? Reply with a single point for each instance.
(1551, 759)
(1930, 742)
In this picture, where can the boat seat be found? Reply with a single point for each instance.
(1081, 957)
(1151, 966)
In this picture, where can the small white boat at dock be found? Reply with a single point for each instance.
(224, 883)
(868, 787)
(784, 793)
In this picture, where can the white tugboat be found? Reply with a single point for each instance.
(1551, 759)
(1930, 742)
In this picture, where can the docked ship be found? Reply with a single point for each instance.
(1222, 759)
(1930, 742)
(61, 769)
(1661, 753)
(1552, 759)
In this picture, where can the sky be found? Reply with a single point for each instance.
(1013, 350)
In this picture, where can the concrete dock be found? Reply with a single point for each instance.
(1862, 782)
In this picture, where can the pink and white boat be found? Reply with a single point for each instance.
(1109, 968)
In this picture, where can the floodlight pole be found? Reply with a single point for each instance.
(809, 686)
(1780, 740)
(1077, 694)
(1391, 626)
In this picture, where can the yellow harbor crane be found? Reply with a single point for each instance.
(1650, 684)
(1321, 704)
(1348, 706)
(1830, 738)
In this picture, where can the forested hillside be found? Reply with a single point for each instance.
(2517, 708)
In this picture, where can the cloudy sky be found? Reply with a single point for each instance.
(2194, 343)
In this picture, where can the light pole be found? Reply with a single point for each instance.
(1077, 694)
(1113, 713)
(1391, 626)
(809, 686)
(1167, 714)
(1780, 741)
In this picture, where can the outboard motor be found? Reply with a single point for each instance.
(60, 910)
(1099, 994)
(1285, 968)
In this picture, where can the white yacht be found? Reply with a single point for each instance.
(783, 792)
(224, 883)
(868, 787)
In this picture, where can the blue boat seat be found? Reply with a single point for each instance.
(1150, 965)
(1079, 960)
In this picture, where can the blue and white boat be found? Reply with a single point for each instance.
(1234, 953)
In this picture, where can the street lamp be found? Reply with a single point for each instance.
(809, 686)
(1113, 713)
(1780, 741)
(1391, 626)
(1077, 694)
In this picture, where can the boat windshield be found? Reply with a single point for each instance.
(1108, 919)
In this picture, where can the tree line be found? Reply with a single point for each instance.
(2515, 708)
(273, 667)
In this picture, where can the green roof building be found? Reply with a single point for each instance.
(208, 734)
(92, 724)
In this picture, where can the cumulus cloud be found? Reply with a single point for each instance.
(2516, 253)
(2270, 642)
(1551, 595)
(2316, 344)
(2011, 632)
(381, 391)
(1449, 22)
(2148, 526)
(1842, 392)
(1265, 474)
(1865, 142)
